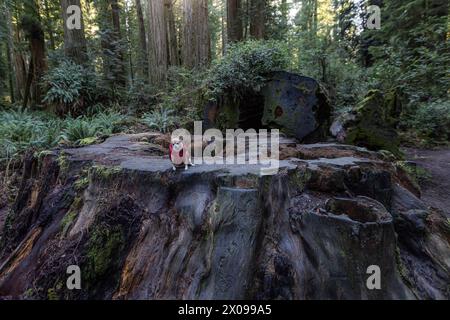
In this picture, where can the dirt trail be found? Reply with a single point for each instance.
(436, 190)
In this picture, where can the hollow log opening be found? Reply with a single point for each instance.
(251, 112)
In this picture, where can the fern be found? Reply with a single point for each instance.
(162, 119)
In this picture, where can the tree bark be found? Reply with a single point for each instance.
(74, 39)
(315, 17)
(196, 37)
(223, 28)
(143, 56)
(20, 66)
(119, 71)
(38, 62)
(9, 55)
(10, 73)
(49, 25)
(158, 48)
(257, 18)
(27, 90)
(234, 20)
(40, 67)
(174, 57)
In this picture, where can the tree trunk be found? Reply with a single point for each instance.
(157, 42)
(257, 18)
(20, 66)
(196, 38)
(284, 13)
(315, 17)
(38, 63)
(234, 20)
(129, 40)
(119, 71)
(10, 73)
(224, 30)
(143, 56)
(39, 66)
(9, 56)
(74, 39)
(172, 42)
(49, 25)
(27, 90)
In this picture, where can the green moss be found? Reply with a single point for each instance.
(105, 172)
(376, 118)
(29, 293)
(81, 184)
(417, 174)
(52, 293)
(299, 179)
(71, 215)
(87, 141)
(374, 138)
(7, 229)
(67, 221)
(400, 266)
(63, 162)
(44, 153)
(104, 246)
(306, 90)
(447, 226)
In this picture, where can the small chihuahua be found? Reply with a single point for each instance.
(179, 154)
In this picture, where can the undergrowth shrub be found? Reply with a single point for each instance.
(22, 130)
(162, 119)
(245, 67)
(100, 124)
(432, 121)
(71, 87)
(140, 97)
(78, 129)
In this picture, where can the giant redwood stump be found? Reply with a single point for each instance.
(139, 230)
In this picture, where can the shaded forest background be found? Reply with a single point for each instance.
(139, 64)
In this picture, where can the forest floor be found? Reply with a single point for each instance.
(436, 188)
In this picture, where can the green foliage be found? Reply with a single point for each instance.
(421, 73)
(411, 52)
(78, 129)
(23, 130)
(83, 127)
(180, 103)
(108, 123)
(432, 120)
(162, 119)
(347, 80)
(277, 15)
(331, 64)
(245, 67)
(140, 96)
(71, 87)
